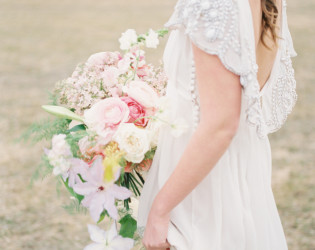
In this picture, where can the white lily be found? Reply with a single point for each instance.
(108, 240)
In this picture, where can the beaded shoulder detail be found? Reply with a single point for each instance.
(213, 26)
(283, 91)
(224, 28)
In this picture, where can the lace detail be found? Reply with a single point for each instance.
(212, 25)
(218, 28)
(283, 92)
(284, 95)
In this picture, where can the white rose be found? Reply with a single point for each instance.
(127, 39)
(152, 39)
(133, 140)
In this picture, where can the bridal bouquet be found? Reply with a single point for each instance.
(108, 116)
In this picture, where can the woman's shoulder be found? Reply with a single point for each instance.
(215, 26)
(225, 28)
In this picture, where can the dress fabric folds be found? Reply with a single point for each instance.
(233, 208)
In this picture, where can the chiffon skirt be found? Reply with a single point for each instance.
(233, 208)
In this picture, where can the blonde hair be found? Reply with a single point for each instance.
(269, 20)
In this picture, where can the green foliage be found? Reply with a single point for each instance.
(76, 128)
(73, 139)
(130, 181)
(78, 197)
(53, 98)
(150, 154)
(103, 215)
(45, 129)
(75, 207)
(128, 226)
(162, 32)
(43, 170)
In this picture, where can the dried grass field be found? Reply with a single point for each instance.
(42, 41)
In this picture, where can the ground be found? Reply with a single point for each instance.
(42, 41)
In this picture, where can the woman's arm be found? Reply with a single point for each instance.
(220, 103)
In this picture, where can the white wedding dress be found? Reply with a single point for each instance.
(233, 208)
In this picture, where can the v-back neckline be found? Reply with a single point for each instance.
(261, 90)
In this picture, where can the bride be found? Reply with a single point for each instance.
(231, 77)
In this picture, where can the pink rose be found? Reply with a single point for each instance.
(105, 116)
(143, 93)
(135, 111)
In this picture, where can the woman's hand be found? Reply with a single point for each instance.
(155, 234)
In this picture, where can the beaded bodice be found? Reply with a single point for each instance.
(224, 28)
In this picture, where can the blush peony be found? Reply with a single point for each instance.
(105, 116)
(143, 93)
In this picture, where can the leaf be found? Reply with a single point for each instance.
(77, 128)
(62, 112)
(128, 226)
(77, 196)
(102, 216)
(140, 177)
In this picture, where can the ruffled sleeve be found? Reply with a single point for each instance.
(224, 28)
(213, 26)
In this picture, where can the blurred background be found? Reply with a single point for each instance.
(42, 41)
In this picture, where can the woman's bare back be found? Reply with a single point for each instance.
(265, 56)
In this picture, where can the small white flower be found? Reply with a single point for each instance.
(152, 39)
(153, 128)
(179, 126)
(164, 108)
(133, 140)
(128, 38)
(59, 155)
(108, 240)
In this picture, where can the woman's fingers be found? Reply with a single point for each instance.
(162, 246)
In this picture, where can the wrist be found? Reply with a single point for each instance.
(160, 207)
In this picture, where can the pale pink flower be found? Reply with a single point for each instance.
(100, 59)
(104, 116)
(99, 195)
(135, 111)
(78, 166)
(90, 147)
(124, 65)
(110, 76)
(143, 93)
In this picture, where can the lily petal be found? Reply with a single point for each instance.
(119, 192)
(85, 188)
(96, 234)
(121, 243)
(112, 232)
(96, 206)
(95, 246)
